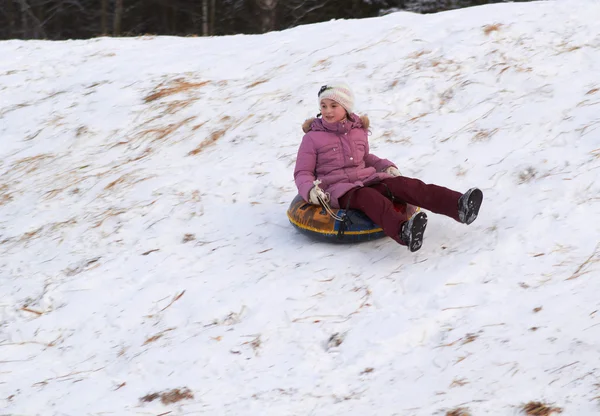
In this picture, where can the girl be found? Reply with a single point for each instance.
(334, 166)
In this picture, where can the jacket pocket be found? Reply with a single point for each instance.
(361, 151)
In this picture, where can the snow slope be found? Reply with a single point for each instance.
(144, 244)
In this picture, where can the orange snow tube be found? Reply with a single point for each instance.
(315, 222)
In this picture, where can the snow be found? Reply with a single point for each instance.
(105, 298)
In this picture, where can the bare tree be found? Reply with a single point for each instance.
(267, 14)
(37, 29)
(213, 9)
(204, 17)
(104, 17)
(10, 15)
(118, 18)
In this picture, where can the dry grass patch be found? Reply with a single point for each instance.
(257, 83)
(153, 338)
(418, 54)
(176, 86)
(214, 136)
(175, 106)
(157, 134)
(169, 397)
(111, 212)
(527, 175)
(570, 49)
(592, 91)
(458, 383)
(197, 126)
(187, 238)
(483, 135)
(539, 409)
(459, 411)
(228, 124)
(5, 196)
(255, 343)
(31, 163)
(487, 29)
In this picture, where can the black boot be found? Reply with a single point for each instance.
(411, 231)
(468, 205)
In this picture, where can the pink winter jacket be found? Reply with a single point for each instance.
(338, 155)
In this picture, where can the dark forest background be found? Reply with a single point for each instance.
(80, 19)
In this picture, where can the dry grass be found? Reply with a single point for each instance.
(255, 343)
(458, 383)
(121, 179)
(323, 63)
(527, 175)
(335, 340)
(590, 260)
(85, 266)
(487, 29)
(81, 130)
(539, 409)
(153, 338)
(418, 54)
(483, 135)
(187, 238)
(170, 396)
(197, 126)
(176, 86)
(469, 338)
(175, 106)
(30, 164)
(214, 136)
(158, 134)
(111, 212)
(459, 411)
(257, 83)
(5, 196)
(569, 49)
(592, 91)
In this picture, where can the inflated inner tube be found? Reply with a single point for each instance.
(315, 222)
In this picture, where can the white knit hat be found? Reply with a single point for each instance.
(340, 93)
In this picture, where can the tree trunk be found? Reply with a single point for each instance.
(213, 11)
(104, 17)
(38, 12)
(10, 11)
(118, 18)
(204, 17)
(24, 24)
(267, 14)
(38, 30)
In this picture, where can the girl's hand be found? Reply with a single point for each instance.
(314, 195)
(392, 170)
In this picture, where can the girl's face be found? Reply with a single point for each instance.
(332, 111)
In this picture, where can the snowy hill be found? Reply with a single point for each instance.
(144, 245)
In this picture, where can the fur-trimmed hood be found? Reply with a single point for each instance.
(318, 124)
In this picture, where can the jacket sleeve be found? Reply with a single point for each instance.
(379, 164)
(306, 162)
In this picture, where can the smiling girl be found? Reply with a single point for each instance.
(334, 165)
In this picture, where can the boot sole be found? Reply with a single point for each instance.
(473, 205)
(417, 231)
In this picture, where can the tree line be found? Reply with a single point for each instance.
(82, 19)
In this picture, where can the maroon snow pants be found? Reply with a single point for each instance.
(374, 202)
